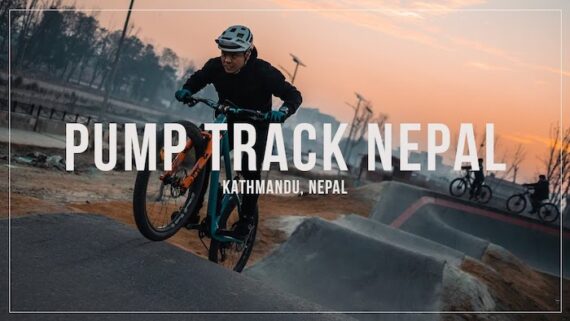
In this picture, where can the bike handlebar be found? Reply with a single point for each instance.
(226, 109)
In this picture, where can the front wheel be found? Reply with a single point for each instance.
(485, 194)
(458, 187)
(233, 255)
(548, 212)
(516, 203)
(160, 209)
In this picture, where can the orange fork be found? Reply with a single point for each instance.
(200, 163)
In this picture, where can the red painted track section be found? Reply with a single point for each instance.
(425, 200)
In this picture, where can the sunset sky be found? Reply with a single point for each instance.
(417, 61)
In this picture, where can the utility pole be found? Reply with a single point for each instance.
(111, 77)
(361, 126)
(380, 120)
(354, 119)
(298, 63)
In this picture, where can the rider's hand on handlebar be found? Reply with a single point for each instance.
(184, 95)
(277, 116)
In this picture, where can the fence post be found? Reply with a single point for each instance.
(76, 117)
(64, 114)
(32, 109)
(14, 105)
(51, 113)
(37, 117)
(88, 121)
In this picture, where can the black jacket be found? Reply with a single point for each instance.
(541, 189)
(251, 88)
(479, 175)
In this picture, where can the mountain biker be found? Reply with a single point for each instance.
(478, 181)
(248, 82)
(540, 193)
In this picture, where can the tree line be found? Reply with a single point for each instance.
(71, 46)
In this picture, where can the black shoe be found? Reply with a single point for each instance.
(193, 222)
(240, 230)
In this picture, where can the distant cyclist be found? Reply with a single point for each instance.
(479, 178)
(541, 192)
(248, 82)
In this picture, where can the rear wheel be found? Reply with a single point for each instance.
(458, 187)
(548, 212)
(161, 209)
(485, 194)
(233, 255)
(516, 203)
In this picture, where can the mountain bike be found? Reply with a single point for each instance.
(459, 186)
(163, 202)
(547, 212)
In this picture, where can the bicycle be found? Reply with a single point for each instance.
(189, 176)
(547, 212)
(459, 186)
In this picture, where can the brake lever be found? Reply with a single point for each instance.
(227, 109)
(191, 102)
(229, 103)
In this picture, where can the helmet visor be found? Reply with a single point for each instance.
(230, 46)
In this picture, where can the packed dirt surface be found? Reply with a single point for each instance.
(41, 190)
(519, 288)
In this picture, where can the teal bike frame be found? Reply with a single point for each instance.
(229, 201)
(226, 205)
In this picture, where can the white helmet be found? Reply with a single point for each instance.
(235, 39)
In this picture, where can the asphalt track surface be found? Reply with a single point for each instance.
(82, 262)
(357, 264)
(405, 257)
(400, 238)
(337, 267)
(471, 228)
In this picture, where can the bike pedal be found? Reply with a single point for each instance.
(193, 226)
(193, 223)
(234, 234)
(224, 232)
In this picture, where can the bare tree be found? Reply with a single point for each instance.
(483, 142)
(516, 160)
(30, 19)
(557, 163)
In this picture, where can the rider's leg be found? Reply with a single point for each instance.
(472, 189)
(194, 218)
(478, 188)
(249, 201)
(534, 202)
(475, 188)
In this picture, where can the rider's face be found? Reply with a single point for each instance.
(233, 61)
